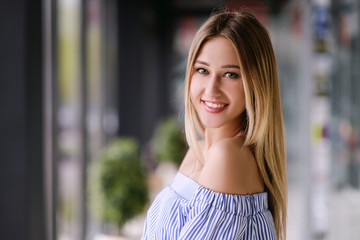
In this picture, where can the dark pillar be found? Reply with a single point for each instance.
(144, 31)
(130, 68)
(21, 158)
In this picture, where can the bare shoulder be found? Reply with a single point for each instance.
(231, 168)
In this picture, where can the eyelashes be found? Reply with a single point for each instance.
(201, 70)
(232, 75)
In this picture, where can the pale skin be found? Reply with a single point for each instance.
(217, 93)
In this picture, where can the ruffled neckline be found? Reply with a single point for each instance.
(244, 205)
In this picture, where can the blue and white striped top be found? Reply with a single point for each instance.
(186, 210)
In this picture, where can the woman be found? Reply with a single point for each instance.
(232, 182)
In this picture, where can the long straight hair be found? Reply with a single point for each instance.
(262, 119)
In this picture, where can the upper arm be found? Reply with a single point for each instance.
(231, 169)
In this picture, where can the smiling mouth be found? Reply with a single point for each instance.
(215, 105)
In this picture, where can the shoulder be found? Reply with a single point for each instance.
(230, 167)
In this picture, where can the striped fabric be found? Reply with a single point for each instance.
(186, 210)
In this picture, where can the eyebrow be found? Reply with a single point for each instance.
(224, 66)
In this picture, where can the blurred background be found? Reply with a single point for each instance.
(89, 87)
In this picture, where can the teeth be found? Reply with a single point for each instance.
(213, 105)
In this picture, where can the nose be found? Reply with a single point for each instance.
(212, 88)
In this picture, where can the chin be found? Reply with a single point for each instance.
(212, 124)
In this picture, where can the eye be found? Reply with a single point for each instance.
(202, 71)
(231, 75)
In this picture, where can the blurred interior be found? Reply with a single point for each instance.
(77, 73)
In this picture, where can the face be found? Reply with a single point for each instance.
(216, 87)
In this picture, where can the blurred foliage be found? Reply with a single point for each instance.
(118, 188)
(169, 142)
(66, 209)
(68, 51)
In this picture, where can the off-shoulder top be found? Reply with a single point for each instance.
(186, 210)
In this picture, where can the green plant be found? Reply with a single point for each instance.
(118, 188)
(168, 142)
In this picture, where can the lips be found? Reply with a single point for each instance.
(214, 107)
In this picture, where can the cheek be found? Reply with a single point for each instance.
(194, 89)
(243, 101)
(240, 98)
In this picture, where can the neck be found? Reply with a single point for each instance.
(214, 135)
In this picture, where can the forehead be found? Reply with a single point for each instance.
(218, 51)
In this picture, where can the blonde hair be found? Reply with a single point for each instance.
(262, 120)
